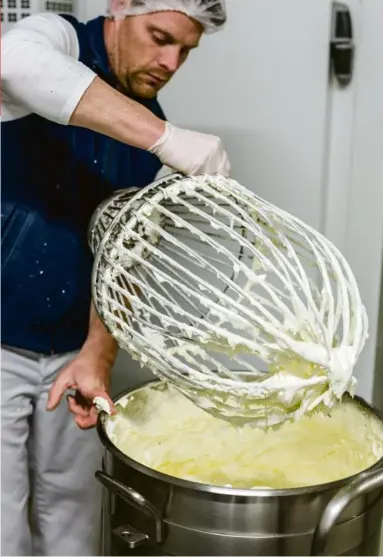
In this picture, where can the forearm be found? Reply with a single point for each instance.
(41, 73)
(99, 342)
(105, 110)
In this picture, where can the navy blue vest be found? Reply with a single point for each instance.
(53, 178)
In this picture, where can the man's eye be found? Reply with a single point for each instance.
(159, 39)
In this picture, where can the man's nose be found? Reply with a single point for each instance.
(170, 59)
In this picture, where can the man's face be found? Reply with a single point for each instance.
(145, 51)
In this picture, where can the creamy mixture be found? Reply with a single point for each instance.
(163, 430)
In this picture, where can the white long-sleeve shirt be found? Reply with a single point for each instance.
(41, 72)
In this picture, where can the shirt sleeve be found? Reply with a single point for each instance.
(40, 69)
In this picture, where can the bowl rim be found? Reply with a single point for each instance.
(221, 490)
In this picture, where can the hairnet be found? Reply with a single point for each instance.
(210, 13)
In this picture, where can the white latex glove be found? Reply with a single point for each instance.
(191, 152)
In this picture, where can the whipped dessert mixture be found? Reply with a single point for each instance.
(160, 428)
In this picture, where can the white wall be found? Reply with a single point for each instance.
(89, 9)
(378, 386)
(364, 235)
(261, 85)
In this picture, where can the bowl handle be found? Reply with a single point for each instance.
(362, 485)
(135, 499)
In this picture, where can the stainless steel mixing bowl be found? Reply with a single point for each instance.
(149, 513)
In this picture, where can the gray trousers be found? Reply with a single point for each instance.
(50, 500)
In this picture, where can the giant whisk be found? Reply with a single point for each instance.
(252, 314)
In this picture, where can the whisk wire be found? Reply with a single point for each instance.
(198, 277)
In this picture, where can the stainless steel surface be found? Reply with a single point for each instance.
(135, 499)
(130, 536)
(365, 483)
(200, 519)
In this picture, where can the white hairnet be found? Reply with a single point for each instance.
(210, 13)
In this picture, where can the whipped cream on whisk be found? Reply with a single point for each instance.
(226, 281)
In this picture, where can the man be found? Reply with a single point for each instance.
(80, 119)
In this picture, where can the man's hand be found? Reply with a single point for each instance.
(89, 375)
(191, 152)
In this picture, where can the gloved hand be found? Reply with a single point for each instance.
(191, 152)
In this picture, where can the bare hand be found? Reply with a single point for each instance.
(90, 377)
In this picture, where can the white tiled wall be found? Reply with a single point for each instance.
(13, 10)
(88, 9)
